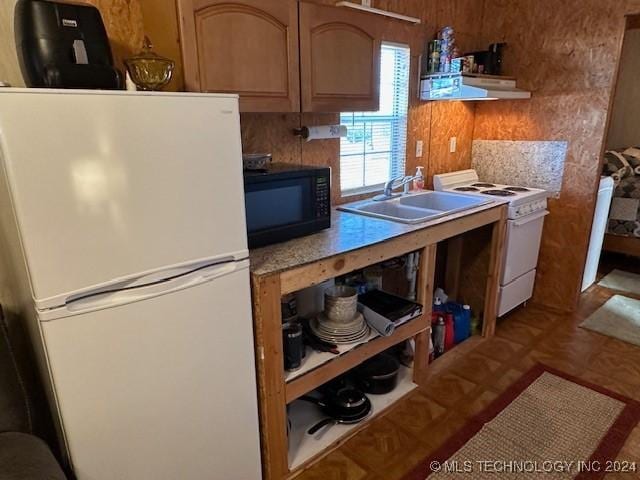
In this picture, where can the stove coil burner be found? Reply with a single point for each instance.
(466, 189)
(516, 189)
(483, 185)
(499, 193)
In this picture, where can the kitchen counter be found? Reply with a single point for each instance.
(348, 232)
(355, 242)
(352, 243)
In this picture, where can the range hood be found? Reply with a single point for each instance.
(463, 86)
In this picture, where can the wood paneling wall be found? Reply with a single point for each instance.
(125, 26)
(566, 54)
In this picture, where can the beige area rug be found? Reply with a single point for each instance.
(546, 425)
(618, 318)
(622, 281)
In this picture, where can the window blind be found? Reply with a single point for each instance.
(374, 149)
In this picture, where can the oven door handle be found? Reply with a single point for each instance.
(530, 218)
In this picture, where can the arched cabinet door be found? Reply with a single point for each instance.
(339, 59)
(248, 47)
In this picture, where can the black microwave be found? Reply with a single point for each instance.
(286, 201)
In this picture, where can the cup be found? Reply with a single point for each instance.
(293, 346)
(340, 303)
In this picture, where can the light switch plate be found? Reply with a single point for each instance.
(419, 145)
(366, 3)
(453, 144)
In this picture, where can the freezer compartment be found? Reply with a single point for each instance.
(160, 388)
(516, 292)
(118, 184)
(522, 246)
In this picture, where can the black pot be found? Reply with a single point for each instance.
(379, 374)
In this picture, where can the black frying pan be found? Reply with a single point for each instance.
(346, 405)
(329, 420)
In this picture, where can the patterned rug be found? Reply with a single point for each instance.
(546, 425)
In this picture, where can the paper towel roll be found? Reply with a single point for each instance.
(323, 132)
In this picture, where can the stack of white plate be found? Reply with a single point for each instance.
(339, 332)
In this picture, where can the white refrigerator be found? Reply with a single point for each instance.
(122, 219)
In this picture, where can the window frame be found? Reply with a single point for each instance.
(379, 186)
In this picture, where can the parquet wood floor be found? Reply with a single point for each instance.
(394, 443)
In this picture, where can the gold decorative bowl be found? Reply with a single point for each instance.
(148, 70)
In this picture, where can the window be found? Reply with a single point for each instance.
(374, 149)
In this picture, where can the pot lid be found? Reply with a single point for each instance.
(349, 398)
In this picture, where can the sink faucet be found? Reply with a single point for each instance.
(404, 181)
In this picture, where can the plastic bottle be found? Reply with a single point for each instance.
(466, 310)
(439, 336)
(434, 56)
(418, 182)
(462, 323)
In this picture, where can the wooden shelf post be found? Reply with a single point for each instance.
(424, 288)
(492, 292)
(270, 369)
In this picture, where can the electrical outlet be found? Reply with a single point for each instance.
(366, 3)
(453, 144)
(419, 145)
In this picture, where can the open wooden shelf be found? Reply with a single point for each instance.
(277, 395)
(338, 365)
(314, 359)
(303, 447)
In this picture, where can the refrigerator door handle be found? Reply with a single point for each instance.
(112, 298)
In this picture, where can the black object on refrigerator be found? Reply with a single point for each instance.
(62, 45)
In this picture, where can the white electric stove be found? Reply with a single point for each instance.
(522, 200)
(527, 209)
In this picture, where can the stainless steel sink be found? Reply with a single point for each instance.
(443, 201)
(416, 208)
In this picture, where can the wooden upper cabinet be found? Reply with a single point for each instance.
(339, 59)
(248, 47)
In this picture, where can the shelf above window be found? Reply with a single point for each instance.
(378, 11)
(470, 87)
